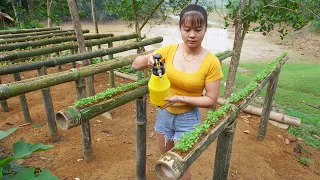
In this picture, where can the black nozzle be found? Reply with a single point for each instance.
(158, 71)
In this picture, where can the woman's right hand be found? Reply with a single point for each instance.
(150, 60)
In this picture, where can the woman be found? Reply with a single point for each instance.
(190, 68)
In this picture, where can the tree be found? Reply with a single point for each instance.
(49, 5)
(285, 14)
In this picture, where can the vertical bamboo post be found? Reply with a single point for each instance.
(271, 89)
(4, 104)
(48, 104)
(59, 66)
(141, 121)
(111, 72)
(23, 102)
(223, 152)
(73, 64)
(91, 91)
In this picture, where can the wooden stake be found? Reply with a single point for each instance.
(141, 121)
(4, 104)
(223, 152)
(59, 66)
(23, 102)
(111, 72)
(272, 86)
(48, 104)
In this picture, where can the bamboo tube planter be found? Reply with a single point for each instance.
(17, 31)
(25, 45)
(29, 38)
(8, 36)
(172, 165)
(77, 57)
(72, 116)
(23, 54)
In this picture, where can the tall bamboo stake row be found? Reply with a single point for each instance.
(12, 55)
(25, 45)
(172, 164)
(77, 57)
(30, 38)
(17, 31)
(33, 34)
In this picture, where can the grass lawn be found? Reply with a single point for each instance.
(298, 86)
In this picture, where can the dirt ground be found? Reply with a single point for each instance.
(114, 140)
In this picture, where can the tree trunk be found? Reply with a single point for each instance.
(237, 46)
(94, 18)
(15, 11)
(49, 3)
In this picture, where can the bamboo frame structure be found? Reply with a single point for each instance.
(47, 50)
(172, 166)
(18, 31)
(9, 36)
(30, 38)
(25, 45)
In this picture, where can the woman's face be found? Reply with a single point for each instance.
(192, 34)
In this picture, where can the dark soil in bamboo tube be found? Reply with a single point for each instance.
(114, 142)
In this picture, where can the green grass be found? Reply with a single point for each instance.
(298, 86)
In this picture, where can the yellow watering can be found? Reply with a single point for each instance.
(159, 83)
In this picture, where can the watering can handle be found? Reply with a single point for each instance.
(157, 58)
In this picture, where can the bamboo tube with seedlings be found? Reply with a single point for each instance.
(48, 104)
(23, 101)
(4, 103)
(20, 31)
(23, 54)
(25, 45)
(173, 164)
(30, 38)
(77, 57)
(36, 83)
(9, 36)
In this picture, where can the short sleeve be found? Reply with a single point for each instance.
(214, 70)
(164, 51)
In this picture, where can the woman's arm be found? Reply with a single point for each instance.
(143, 62)
(209, 100)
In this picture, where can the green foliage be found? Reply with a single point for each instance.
(305, 161)
(108, 93)
(269, 13)
(4, 134)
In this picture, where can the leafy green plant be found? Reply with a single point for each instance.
(11, 170)
(305, 161)
(108, 93)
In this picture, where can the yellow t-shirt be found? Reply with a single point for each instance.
(188, 84)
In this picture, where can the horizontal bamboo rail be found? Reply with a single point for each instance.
(73, 117)
(172, 166)
(12, 55)
(29, 38)
(76, 57)
(17, 31)
(8, 36)
(25, 45)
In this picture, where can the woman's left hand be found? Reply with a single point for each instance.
(172, 100)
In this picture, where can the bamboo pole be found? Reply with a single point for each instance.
(111, 72)
(25, 45)
(29, 38)
(141, 128)
(48, 104)
(59, 66)
(23, 101)
(172, 166)
(91, 90)
(77, 57)
(271, 90)
(4, 103)
(223, 151)
(73, 117)
(23, 54)
(9, 36)
(18, 31)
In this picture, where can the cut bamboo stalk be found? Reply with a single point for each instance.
(59, 66)
(30, 38)
(23, 101)
(271, 90)
(18, 31)
(24, 54)
(73, 117)
(111, 72)
(172, 166)
(4, 103)
(77, 57)
(278, 117)
(9, 36)
(48, 104)
(25, 45)
(141, 121)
